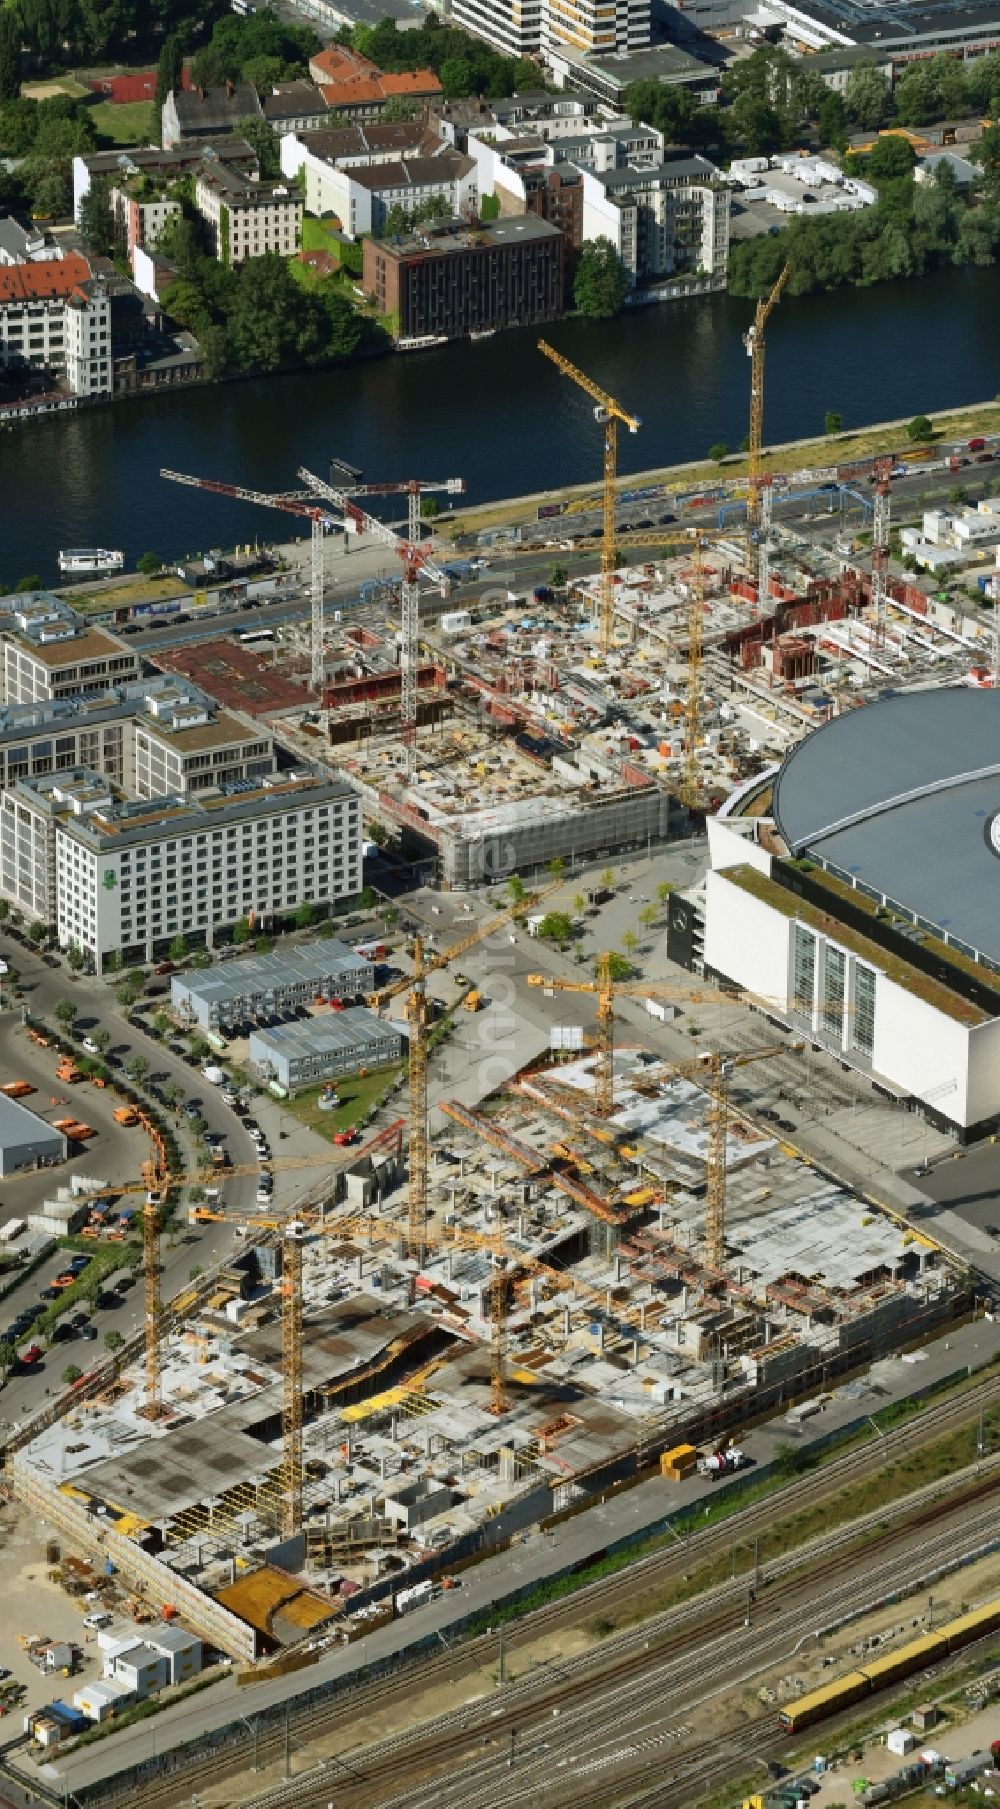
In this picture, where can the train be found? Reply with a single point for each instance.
(868, 1679)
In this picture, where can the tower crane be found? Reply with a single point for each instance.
(416, 558)
(292, 502)
(604, 987)
(753, 339)
(713, 1072)
(417, 1009)
(608, 413)
(881, 518)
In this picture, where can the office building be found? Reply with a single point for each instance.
(455, 281)
(48, 651)
(114, 874)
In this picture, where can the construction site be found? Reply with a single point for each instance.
(430, 1353)
(584, 719)
(449, 1340)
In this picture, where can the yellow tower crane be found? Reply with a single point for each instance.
(418, 1019)
(753, 339)
(608, 413)
(713, 1072)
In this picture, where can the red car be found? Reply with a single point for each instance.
(33, 1354)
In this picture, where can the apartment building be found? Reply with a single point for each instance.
(451, 283)
(182, 745)
(526, 28)
(121, 168)
(665, 221)
(355, 88)
(295, 107)
(142, 211)
(321, 157)
(89, 364)
(48, 651)
(54, 315)
(194, 114)
(362, 198)
(247, 219)
(115, 874)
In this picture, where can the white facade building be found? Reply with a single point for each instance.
(664, 220)
(89, 366)
(362, 195)
(130, 876)
(47, 651)
(524, 28)
(828, 908)
(247, 219)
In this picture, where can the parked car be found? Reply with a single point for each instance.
(89, 1332)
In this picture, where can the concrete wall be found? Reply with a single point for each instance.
(746, 940)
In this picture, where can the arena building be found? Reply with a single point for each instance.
(856, 889)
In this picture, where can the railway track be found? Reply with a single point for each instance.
(622, 1684)
(451, 1770)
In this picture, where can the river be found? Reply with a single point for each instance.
(494, 412)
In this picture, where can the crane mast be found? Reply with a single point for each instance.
(753, 339)
(608, 413)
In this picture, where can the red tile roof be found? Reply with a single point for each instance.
(337, 64)
(51, 278)
(362, 91)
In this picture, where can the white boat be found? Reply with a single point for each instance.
(484, 333)
(91, 559)
(421, 342)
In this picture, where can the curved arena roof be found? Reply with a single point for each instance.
(901, 796)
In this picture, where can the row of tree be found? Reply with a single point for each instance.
(44, 136)
(463, 65)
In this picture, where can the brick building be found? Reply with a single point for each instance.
(458, 281)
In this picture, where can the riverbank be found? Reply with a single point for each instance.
(695, 474)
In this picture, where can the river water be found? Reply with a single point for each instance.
(495, 412)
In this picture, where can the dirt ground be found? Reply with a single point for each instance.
(33, 1605)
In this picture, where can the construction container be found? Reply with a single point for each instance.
(680, 1463)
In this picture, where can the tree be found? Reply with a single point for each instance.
(757, 124)
(173, 1093)
(664, 890)
(169, 67)
(149, 564)
(630, 942)
(74, 957)
(920, 428)
(556, 926)
(397, 108)
(832, 421)
(601, 282)
(833, 121)
(179, 948)
(557, 577)
(608, 878)
(31, 581)
(138, 1068)
(957, 496)
(719, 452)
(96, 220)
(647, 916)
(102, 1039)
(113, 1340)
(305, 916)
(866, 96)
(261, 139)
(163, 1023)
(65, 1011)
(429, 507)
(618, 967)
(10, 54)
(456, 77)
(71, 1374)
(515, 889)
(37, 932)
(242, 931)
(557, 866)
(890, 158)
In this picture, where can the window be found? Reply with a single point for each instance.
(863, 1033)
(803, 970)
(834, 986)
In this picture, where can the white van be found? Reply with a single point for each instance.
(101, 1618)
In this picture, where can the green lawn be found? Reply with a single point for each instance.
(318, 235)
(133, 124)
(357, 1096)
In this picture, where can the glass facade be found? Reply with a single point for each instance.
(834, 990)
(863, 1037)
(803, 970)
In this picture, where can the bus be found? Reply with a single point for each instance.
(256, 637)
